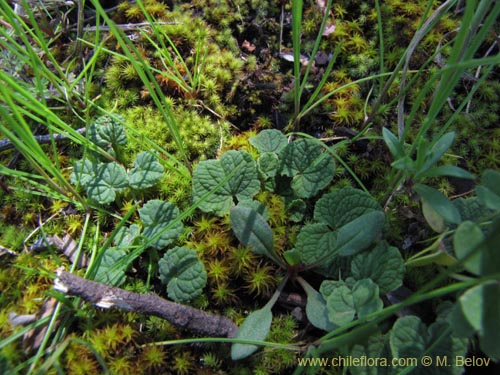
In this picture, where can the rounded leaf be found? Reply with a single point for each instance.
(183, 273)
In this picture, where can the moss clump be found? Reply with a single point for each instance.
(201, 135)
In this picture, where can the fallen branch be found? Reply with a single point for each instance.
(105, 296)
(6, 144)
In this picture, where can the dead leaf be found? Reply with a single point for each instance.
(250, 47)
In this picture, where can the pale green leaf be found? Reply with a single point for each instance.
(365, 295)
(438, 202)
(126, 236)
(252, 230)
(255, 327)
(340, 304)
(101, 181)
(466, 240)
(316, 310)
(447, 170)
(107, 131)
(83, 172)
(435, 220)
(183, 273)
(108, 179)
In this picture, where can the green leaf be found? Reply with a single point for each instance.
(408, 337)
(107, 180)
(101, 181)
(435, 220)
(393, 143)
(438, 202)
(269, 140)
(160, 227)
(147, 171)
(255, 327)
(365, 294)
(252, 230)
(447, 170)
(375, 347)
(489, 191)
(183, 273)
(296, 209)
(340, 304)
(358, 234)
(316, 242)
(340, 215)
(235, 172)
(268, 164)
(108, 273)
(126, 236)
(83, 172)
(405, 164)
(341, 206)
(443, 344)
(310, 168)
(384, 265)
(107, 131)
(345, 300)
(316, 309)
(467, 239)
(438, 150)
(481, 308)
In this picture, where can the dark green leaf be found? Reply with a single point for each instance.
(235, 172)
(159, 222)
(481, 308)
(310, 168)
(360, 233)
(383, 264)
(108, 272)
(341, 206)
(316, 242)
(183, 273)
(147, 171)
